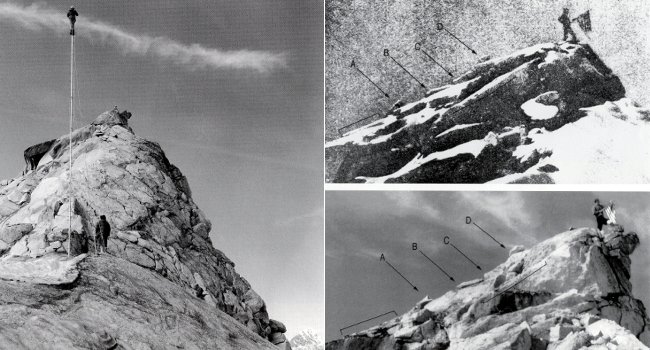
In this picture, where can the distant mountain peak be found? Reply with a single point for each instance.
(307, 339)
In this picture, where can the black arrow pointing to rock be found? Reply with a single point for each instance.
(448, 241)
(440, 268)
(409, 282)
(371, 82)
(439, 26)
(436, 62)
(479, 227)
(407, 72)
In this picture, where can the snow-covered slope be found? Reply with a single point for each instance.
(570, 291)
(551, 113)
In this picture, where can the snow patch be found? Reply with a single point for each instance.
(538, 111)
(457, 127)
(357, 136)
(449, 91)
(595, 148)
(473, 147)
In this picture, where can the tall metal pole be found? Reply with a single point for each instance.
(70, 199)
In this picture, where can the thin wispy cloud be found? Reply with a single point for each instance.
(313, 218)
(412, 203)
(193, 56)
(505, 207)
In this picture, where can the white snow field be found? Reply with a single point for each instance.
(598, 148)
(594, 149)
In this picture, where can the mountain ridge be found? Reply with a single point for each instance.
(569, 291)
(512, 119)
(156, 226)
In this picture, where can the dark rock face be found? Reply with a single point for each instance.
(34, 154)
(572, 289)
(468, 132)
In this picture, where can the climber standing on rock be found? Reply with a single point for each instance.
(566, 24)
(102, 231)
(72, 16)
(598, 212)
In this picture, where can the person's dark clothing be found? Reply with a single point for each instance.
(199, 291)
(600, 218)
(57, 207)
(103, 230)
(566, 24)
(72, 15)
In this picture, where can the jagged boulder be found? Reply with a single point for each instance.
(34, 154)
(571, 291)
(113, 117)
(524, 118)
(147, 201)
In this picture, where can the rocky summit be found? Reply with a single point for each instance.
(162, 284)
(569, 292)
(551, 113)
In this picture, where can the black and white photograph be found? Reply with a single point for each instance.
(487, 270)
(324, 175)
(161, 180)
(487, 91)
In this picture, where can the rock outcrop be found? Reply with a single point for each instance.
(571, 291)
(541, 115)
(155, 225)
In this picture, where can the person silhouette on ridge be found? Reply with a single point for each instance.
(102, 231)
(566, 25)
(598, 211)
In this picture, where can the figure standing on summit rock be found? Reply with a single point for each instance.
(102, 231)
(598, 212)
(566, 25)
(72, 16)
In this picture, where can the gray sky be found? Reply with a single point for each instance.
(232, 90)
(362, 225)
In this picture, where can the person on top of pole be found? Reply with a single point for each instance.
(566, 24)
(72, 15)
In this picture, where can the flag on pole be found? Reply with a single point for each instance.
(584, 21)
